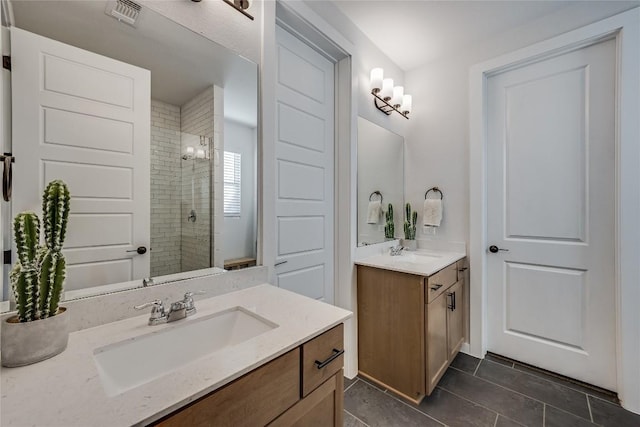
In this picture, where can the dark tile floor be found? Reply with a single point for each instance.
(493, 392)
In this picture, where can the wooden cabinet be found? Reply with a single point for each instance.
(410, 327)
(303, 387)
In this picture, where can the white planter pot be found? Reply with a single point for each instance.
(24, 343)
(409, 245)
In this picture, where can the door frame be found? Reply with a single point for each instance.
(625, 27)
(314, 29)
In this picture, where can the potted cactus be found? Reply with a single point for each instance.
(410, 221)
(40, 329)
(389, 226)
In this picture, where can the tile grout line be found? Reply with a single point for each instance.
(351, 385)
(355, 416)
(495, 423)
(544, 414)
(477, 367)
(516, 392)
(589, 406)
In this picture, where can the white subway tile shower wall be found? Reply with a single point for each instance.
(165, 188)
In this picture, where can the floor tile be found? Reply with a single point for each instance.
(497, 359)
(465, 363)
(351, 421)
(608, 414)
(348, 382)
(503, 421)
(554, 417)
(593, 391)
(513, 405)
(546, 391)
(455, 411)
(378, 409)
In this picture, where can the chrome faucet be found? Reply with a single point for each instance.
(396, 250)
(178, 310)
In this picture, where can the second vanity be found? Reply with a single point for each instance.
(411, 319)
(289, 372)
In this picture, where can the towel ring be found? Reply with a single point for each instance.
(374, 193)
(435, 189)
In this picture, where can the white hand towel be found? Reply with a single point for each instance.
(432, 212)
(373, 211)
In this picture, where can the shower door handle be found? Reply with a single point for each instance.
(141, 250)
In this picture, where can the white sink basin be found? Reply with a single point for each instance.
(414, 257)
(136, 361)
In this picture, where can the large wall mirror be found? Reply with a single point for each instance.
(153, 128)
(380, 181)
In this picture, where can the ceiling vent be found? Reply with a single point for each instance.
(125, 11)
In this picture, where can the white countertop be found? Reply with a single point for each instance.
(420, 262)
(66, 390)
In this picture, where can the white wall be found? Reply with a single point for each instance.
(218, 22)
(368, 56)
(239, 233)
(437, 139)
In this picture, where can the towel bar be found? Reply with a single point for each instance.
(435, 189)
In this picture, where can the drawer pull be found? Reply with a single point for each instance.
(463, 269)
(334, 356)
(436, 287)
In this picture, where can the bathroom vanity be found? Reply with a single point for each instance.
(411, 319)
(258, 356)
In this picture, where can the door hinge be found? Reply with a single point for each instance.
(6, 257)
(6, 62)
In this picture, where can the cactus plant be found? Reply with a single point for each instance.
(55, 208)
(411, 219)
(24, 275)
(38, 276)
(389, 226)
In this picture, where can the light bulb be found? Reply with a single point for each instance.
(398, 93)
(407, 104)
(387, 89)
(376, 79)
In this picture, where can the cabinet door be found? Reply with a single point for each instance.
(323, 407)
(455, 318)
(391, 330)
(437, 348)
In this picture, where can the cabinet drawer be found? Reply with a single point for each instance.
(439, 282)
(320, 359)
(252, 400)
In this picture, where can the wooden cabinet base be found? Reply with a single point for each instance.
(410, 328)
(292, 390)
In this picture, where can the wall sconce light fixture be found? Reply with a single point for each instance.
(388, 98)
(241, 6)
(192, 153)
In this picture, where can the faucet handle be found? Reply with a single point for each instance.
(155, 303)
(190, 294)
(188, 301)
(156, 312)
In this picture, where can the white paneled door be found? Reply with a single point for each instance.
(85, 119)
(304, 169)
(551, 198)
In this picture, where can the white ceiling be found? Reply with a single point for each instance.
(182, 63)
(413, 33)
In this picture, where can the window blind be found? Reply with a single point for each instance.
(232, 187)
